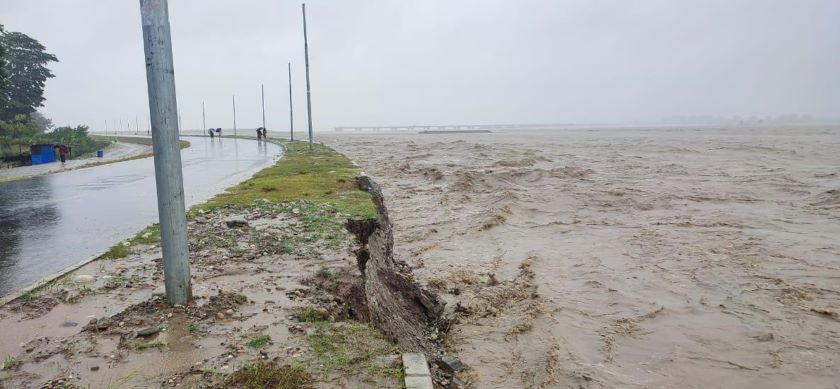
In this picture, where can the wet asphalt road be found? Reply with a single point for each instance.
(52, 222)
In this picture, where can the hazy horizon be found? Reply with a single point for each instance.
(437, 62)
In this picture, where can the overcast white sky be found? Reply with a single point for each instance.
(445, 61)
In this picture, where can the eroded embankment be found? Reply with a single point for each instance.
(283, 295)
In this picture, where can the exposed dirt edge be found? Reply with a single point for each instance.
(397, 305)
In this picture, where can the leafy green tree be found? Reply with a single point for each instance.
(44, 123)
(26, 61)
(4, 73)
(75, 137)
(19, 133)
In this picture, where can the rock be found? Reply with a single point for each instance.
(68, 324)
(94, 368)
(83, 279)
(229, 312)
(450, 364)
(220, 315)
(148, 331)
(236, 221)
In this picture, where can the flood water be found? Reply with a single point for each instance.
(52, 222)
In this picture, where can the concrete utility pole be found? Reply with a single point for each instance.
(262, 92)
(291, 111)
(106, 126)
(308, 96)
(234, 115)
(163, 107)
(203, 119)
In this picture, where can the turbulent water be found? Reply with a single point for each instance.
(616, 258)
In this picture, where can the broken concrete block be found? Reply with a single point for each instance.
(415, 364)
(420, 382)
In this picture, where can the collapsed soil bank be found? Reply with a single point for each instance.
(397, 305)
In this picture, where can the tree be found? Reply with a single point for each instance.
(44, 123)
(26, 62)
(4, 73)
(20, 132)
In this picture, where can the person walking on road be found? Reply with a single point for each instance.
(259, 134)
(264, 134)
(211, 132)
(63, 150)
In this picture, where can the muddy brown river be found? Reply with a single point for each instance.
(624, 258)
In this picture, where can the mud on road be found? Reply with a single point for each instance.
(275, 285)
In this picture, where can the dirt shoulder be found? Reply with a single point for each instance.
(123, 148)
(278, 297)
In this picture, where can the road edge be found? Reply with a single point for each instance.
(61, 273)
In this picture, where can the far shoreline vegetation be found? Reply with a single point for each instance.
(23, 73)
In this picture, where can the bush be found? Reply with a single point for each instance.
(75, 137)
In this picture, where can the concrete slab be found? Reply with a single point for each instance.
(418, 382)
(415, 365)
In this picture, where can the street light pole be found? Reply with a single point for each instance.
(262, 93)
(163, 106)
(203, 119)
(308, 96)
(234, 115)
(291, 111)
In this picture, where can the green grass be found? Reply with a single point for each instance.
(9, 362)
(149, 235)
(323, 273)
(310, 314)
(322, 176)
(260, 375)
(259, 341)
(349, 347)
(117, 251)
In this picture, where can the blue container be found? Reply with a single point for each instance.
(43, 153)
(100, 153)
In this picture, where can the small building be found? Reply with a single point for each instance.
(43, 153)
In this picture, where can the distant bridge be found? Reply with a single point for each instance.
(452, 127)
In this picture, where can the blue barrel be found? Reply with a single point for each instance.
(100, 153)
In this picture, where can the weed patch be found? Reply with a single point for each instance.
(350, 347)
(118, 251)
(310, 314)
(259, 341)
(259, 375)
